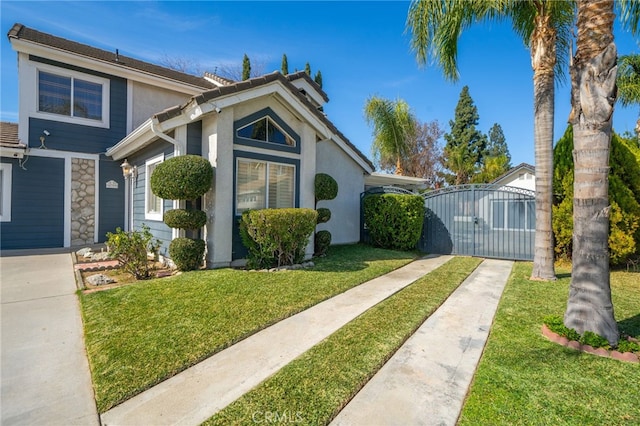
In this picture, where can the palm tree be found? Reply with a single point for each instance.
(593, 94)
(628, 82)
(393, 127)
(544, 25)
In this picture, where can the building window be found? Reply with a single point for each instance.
(79, 98)
(5, 192)
(153, 204)
(513, 215)
(264, 184)
(265, 130)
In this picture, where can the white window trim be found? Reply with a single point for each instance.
(506, 216)
(147, 188)
(5, 214)
(268, 165)
(72, 74)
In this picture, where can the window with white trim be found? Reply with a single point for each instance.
(5, 192)
(73, 96)
(152, 203)
(514, 215)
(264, 184)
(266, 130)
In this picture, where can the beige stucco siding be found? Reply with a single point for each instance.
(345, 208)
(148, 100)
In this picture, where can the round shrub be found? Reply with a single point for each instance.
(185, 219)
(394, 220)
(326, 187)
(185, 177)
(322, 242)
(187, 253)
(323, 215)
(276, 237)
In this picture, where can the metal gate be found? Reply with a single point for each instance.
(480, 220)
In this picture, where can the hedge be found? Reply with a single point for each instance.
(276, 237)
(394, 221)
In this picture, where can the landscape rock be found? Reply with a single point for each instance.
(100, 256)
(100, 279)
(83, 251)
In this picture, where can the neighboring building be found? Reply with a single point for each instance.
(85, 111)
(521, 176)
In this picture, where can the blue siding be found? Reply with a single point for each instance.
(158, 228)
(111, 201)
(194, 138)
(37, 205)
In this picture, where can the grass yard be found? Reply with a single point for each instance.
(144, 333)
(525, 379)
(315, 387)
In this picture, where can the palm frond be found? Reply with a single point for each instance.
(628, 80)
(630, 15)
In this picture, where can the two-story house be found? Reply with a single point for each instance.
(86, 112)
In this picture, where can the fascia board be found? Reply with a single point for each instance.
(12, 152)
(301, 83)
(101, 66)
(134, 141)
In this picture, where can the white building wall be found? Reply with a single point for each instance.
(345, 208)
(148, 100)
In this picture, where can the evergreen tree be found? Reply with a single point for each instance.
(246, 68)
(318, 78)
(307, 69)
(497, 143)
(285, 64)
(465, 145)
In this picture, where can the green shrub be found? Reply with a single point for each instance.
(555, 323)
(276, 237)
(322, 242)
(186, 253)
(628, 346)
(131, 248)
(394, 220)
(185, 177)
(595, 340)
(185, 219)
(326, 187)
(324, 215)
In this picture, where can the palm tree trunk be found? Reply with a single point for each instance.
(543, 61)
(593, 92)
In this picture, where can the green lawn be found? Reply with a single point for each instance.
(315, 387)
(141, 334)
(525, 379)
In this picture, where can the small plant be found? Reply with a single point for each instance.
(625, 345)
(322, 242)
(595, 340)
(276, 237)
(187, 253)
(131, 248)
(555, 323)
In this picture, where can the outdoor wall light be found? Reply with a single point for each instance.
(128, 171)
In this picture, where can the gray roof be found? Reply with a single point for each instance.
(515, 169)
(21, 32)
(257, 82)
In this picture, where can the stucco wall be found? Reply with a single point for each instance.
(148, 100)
(345, 208)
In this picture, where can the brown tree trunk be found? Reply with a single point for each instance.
(593, 92)
(543, 61)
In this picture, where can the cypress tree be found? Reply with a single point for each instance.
(285, 64)
(307, 69)
(318, 78)
(246, 68)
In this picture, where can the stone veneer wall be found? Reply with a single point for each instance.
(83, 201)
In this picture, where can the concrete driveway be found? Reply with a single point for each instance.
(44, 372)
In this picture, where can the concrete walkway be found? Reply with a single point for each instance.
(44, 368)
(426, 381)
(199, 392)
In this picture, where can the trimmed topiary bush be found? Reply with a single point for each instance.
(324, 215)
(394, 220)
(185, 177)
(276, 237)
(322, 242)
(186, 253)
(326, 187)
(185, 219)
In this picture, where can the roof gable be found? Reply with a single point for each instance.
(514, 171)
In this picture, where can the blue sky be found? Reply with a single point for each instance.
(361, 49)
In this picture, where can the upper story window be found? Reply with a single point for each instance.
(72, 96)
(266, 130)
